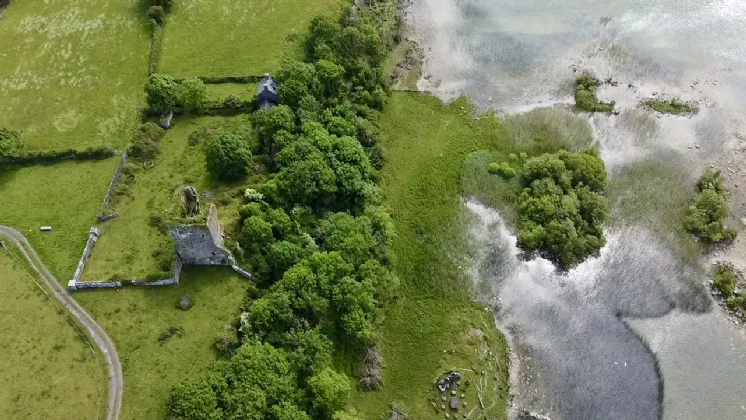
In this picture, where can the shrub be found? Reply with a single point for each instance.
(228, 157)
(156, 221)
(252, 195)
(503, 170)
(10, 142)
(162, 93)
(226, 344)
(157, 14)
(705, 219)
(725, 280)
(586, 86)
(232, 102)
(185, 303)
(145, 142)
(192, 94)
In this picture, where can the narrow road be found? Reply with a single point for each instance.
(86, 320)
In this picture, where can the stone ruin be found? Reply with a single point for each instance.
(371, 374)
(191, 201)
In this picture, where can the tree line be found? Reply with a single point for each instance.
(312, 229)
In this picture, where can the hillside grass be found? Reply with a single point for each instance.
(135, 318)
(72, 71)
(236, 37)
(427, 330)
(66, 196)
(48, 370)
(128, 243)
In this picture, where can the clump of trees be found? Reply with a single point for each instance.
(586, 86)
(562, 207)
(164, 94)
(312, 232)
(706, 218)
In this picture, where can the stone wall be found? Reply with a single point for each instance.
(113, 184)
(92, 238)
(213, 224)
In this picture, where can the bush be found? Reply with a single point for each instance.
(10, 142)
(503, 170)
(228, 157)
(162, 93)
(192, 94)
(725, 280)
(586, 86)
(145, 142)
(226, 344)
(157, 14)
(705, 219)
(232, 102)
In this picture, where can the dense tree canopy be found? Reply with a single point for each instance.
(311, 231)
(562, 207)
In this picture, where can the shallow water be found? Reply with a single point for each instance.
(581, 337)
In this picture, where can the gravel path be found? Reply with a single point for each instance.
(86, 320)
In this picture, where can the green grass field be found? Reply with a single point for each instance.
(72, 71)
(127, 243)
(236, 37)
(66, 196)
(135, 318)
(48, 370)
(427, 330)
(244, 92)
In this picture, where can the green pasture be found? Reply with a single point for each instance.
(236, 37)
(72, 71)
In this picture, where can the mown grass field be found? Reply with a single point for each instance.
(236, 37)
(48, 370)
(135, 318)
(72, 71)
(426, 331)
(66, 196)
(127, 243)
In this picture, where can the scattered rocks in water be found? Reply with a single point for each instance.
(185, 303)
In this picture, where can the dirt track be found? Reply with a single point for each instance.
(86, 320)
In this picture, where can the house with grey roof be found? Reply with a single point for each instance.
(268, 92)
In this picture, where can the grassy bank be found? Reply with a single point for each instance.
(72, 72)
(236, 37)
(48, 370)
(136, 318)
(427, 143)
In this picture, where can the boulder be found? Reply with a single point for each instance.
(185, 303)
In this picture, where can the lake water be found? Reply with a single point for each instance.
(633, 333)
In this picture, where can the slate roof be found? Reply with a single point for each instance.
(195, 246)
